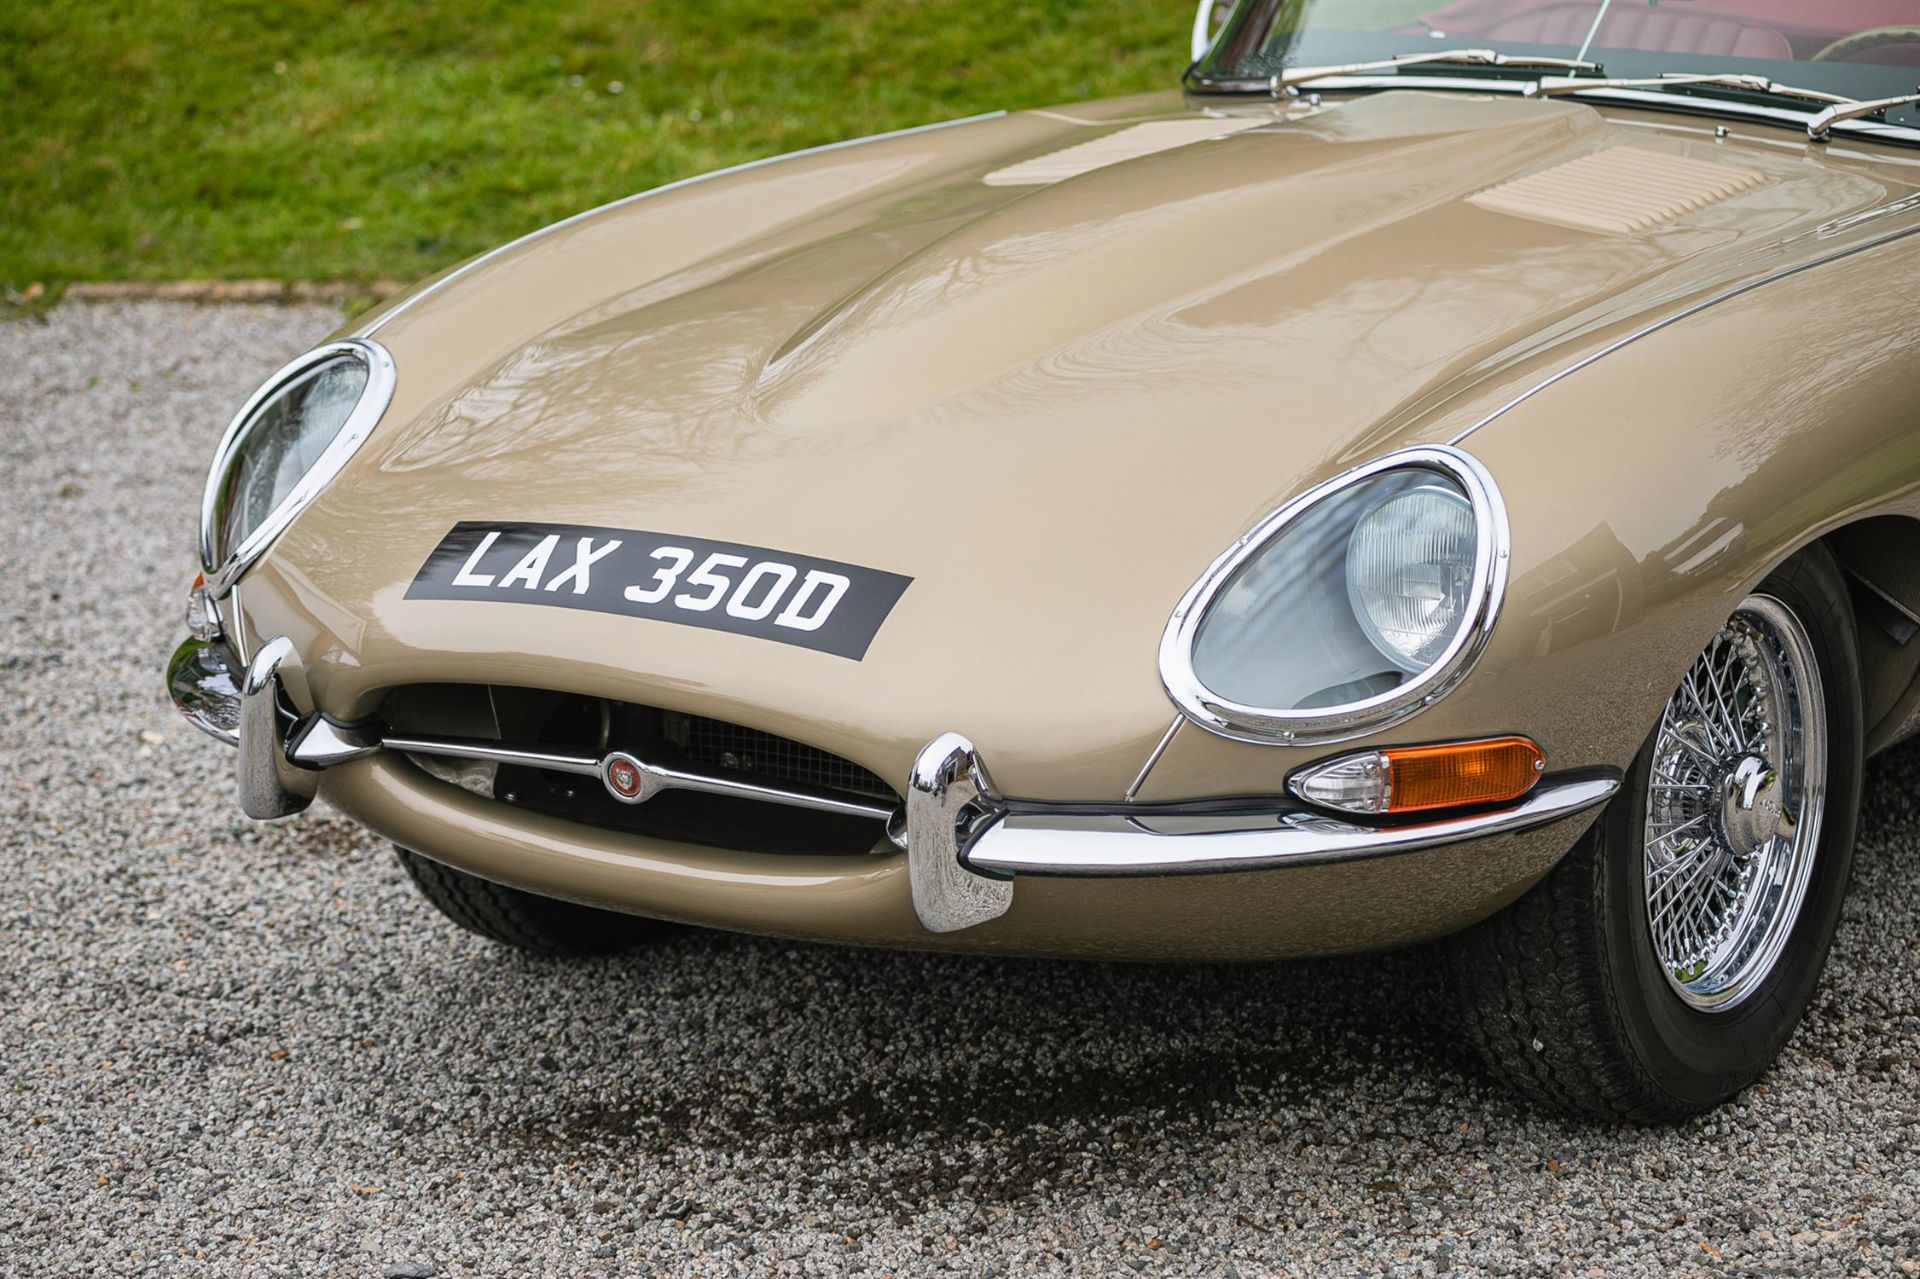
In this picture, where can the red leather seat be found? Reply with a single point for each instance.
(1663, 29)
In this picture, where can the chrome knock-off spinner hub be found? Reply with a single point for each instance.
(1734, 804)
(1752, 807)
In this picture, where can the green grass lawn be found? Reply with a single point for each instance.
(309, 140)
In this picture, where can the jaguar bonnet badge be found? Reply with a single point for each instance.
(627, 779)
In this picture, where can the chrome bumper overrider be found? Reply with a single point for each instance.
(965, 843)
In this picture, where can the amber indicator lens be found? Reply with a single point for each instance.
(1455, 774)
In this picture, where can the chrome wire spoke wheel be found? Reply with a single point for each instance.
(1733, 811)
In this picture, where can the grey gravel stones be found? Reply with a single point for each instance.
(233, 1049)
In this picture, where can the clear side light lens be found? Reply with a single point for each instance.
(203, 619)
(1410, 573)
(1353, 784)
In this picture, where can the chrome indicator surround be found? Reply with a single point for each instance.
(381, 380)
(1265, 726)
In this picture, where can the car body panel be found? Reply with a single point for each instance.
(1051, 406)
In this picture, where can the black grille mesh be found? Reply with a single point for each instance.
(736, 748)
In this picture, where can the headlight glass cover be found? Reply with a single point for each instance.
(1410, 568)
(1346, 610)
(284, 445)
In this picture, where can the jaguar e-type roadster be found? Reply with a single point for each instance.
(1445, 470)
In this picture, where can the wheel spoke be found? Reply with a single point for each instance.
(1677, 891)
(1704, 757)
(1661, 877)
(1669, 833)
(1720, 696)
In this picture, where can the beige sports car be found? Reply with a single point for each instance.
(1443, 470)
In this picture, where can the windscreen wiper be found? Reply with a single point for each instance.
(1445, 57)
(1675, 79)
(1834, 107)
(1820, 128)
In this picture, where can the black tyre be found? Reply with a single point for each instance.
(526, 921)
(1663, 965)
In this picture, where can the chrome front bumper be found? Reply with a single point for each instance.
(965, 842)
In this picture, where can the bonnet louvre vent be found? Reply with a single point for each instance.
(1115, 148)
(1620, 191)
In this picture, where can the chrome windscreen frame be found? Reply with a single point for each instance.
(1321, 725)
(381, 380)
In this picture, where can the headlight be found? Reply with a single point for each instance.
(1409, 571)
(1346, 610)
(282, 448)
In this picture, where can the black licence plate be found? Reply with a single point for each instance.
(724, 586)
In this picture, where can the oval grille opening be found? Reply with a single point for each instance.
(591, 726)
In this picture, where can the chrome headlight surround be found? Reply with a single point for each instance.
(221, 574)
(1266, 726)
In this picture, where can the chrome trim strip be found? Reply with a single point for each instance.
(1695, 309)
(1166, 740)
(495, 752)
(1120, 844)
(1264, 726)
(381, 380)
(427, 290)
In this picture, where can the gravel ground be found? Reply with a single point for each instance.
(235, 1049)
